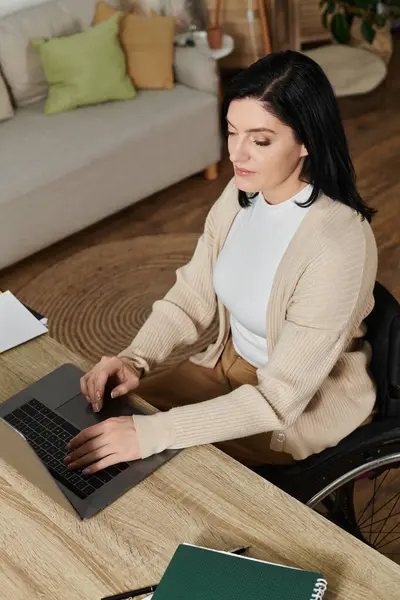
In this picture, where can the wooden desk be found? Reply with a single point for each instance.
(201, 497)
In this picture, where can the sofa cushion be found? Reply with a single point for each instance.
(74, 82)
(83, 10)
(6, 109)
(80, 166)
(19, 61)
(71, 141)
(196, 70)
(149, 46)
(11, 6)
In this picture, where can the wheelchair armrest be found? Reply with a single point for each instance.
(363, 436)
(306, 477)
(394, 360)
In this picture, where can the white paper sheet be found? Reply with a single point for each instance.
(17, 324)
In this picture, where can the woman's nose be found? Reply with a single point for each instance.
(237, 151)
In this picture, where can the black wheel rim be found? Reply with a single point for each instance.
(368, 507)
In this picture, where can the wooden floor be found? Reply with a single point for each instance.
(373, 126)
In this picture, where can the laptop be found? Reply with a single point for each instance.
(37, 423)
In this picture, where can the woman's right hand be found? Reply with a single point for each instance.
(109, 368)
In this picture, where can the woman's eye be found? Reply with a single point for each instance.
(261, 143)
(231, 132)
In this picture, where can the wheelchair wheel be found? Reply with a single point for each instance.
(365, 501)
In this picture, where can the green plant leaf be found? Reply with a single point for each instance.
(331, 6)
(340, 28)
(325, 19)
(362, 3)
(380, 20)
(368, 32)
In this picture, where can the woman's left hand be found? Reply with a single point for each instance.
(104, 444)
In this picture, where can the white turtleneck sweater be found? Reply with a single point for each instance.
(246, 268)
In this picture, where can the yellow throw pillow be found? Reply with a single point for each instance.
(148, 43)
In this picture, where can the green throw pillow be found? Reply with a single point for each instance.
(85, 68)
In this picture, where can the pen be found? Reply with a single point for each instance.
(133, 593)
(152, 588)
(240, 550)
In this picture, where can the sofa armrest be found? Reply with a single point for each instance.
(196, 70)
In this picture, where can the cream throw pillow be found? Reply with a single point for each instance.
(20, 63)
(6, 109)
(83, 10)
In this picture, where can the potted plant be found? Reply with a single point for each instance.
(361, 23)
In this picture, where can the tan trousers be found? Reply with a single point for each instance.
(189, 383)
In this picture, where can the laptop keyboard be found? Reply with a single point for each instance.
(48, 434)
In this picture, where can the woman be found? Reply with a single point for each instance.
(288, 261)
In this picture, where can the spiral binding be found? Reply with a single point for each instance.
(319, 590)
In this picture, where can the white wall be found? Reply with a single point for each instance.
(8, 6)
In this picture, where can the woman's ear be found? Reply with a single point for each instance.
(303, 151)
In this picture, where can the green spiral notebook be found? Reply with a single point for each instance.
(196, 573)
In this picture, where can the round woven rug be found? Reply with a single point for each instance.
(97, 300)
(351, 71)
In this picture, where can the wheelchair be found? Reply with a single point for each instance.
(355, 484)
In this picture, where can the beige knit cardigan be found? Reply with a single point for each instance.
(315, 388)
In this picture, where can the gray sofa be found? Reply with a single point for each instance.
(59, 174)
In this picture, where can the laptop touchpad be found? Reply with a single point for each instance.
(79, 412)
